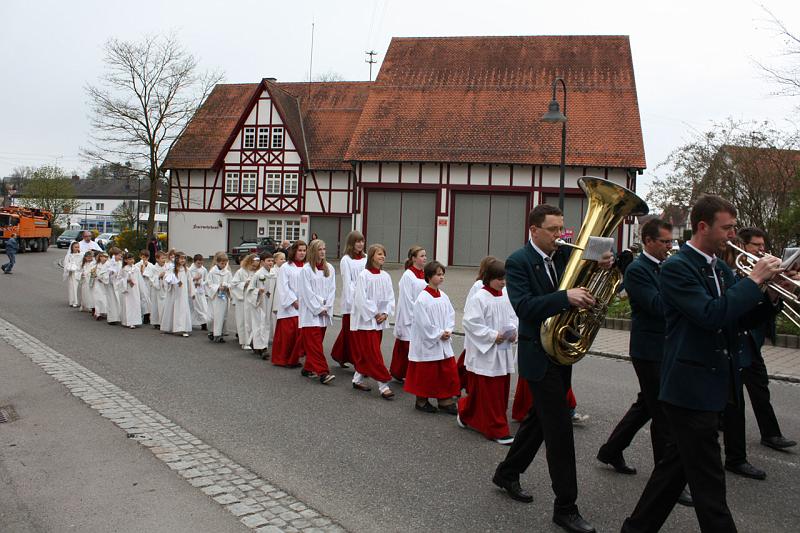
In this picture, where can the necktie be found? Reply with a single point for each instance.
(551, 271)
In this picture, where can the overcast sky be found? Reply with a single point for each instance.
(694, 60)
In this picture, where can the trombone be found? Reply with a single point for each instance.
(745, 261)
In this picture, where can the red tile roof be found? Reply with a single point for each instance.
(480, 99)
(210, 130)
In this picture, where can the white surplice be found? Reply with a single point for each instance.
(86, 287)
(177, 317)
(200, 311)
(130, 302)
(112, 292)
(317, 293)
(373, 295)
(259, 305)
(100, 271)
(432, 317)
(144, 286)
(409, 289)
(350, 269)
(289, 289)
(72, 275)
(218, 284)
(158, 291)
(486, 316)
(239, 284)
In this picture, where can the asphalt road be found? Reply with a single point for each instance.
(370, 464)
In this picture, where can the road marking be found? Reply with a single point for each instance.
(255, 501)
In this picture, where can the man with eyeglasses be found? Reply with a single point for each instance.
(532, 279)
(646, 350)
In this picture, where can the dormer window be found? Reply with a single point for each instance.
(249, 138)
(263, 138)
(277, 138)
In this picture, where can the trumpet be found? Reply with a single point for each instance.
(745, 262)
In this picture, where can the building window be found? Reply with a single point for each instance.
(275, 229)
(161, 207)
(249, 182)
(272, 184)
(249, 138)
(291, 230)
(99, 207)
(277, 138)
(263, 138)
(231, 183)
(144, 207)
(290, 184)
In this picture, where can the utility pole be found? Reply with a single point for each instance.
(371, 61)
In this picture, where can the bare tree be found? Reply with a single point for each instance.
(148, 93)
(786, 76)
(126, 215)
(330, 75)
(49, 188)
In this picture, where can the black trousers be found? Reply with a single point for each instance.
(693, 455)
(645, 408)
(756, 382)
(548, 421)
(733, 434)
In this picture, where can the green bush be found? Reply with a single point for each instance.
(131, 240)
(619, 308)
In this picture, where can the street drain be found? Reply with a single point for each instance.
(7, 414)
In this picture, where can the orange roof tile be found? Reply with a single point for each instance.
(480, 99)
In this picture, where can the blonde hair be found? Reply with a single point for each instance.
(352, 238)
(279, 256)
(247, 261)
(312, 256)
(412, 253)
(220, 256)
(485, 262)
(373, 249)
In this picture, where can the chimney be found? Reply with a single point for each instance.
(75, 177)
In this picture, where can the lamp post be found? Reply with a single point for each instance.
(554, 114)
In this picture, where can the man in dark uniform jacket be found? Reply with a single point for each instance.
(705, 311)
(532, 278)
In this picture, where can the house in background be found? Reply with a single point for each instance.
(444, 149)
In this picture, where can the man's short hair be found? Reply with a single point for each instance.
(706, 208)
(747, 234)
(537, 215)
(652, 229)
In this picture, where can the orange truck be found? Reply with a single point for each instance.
(33, 227)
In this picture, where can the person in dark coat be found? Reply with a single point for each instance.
(152, 247)
(532, 278)
(706, 310)
(12, 247)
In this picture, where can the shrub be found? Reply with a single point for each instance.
(131, 240)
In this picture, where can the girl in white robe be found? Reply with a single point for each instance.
(373, 304)
(198, 274)
(130, 302)
(258, 300)
(352, 263)
(490, 328)
(86, 283)
(317, 294)
(144, 284)
(72, 272)
(111, 290)
(99, 272)
(177, 316)
(411, 284)
(155, 274)
(287, 346)
(280, 260)
(218, 285)
(485, 262)
(239, 284)
(432, 371)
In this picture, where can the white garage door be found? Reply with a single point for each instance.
(487, 224)
(399, 220)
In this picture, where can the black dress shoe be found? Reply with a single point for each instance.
(685, 498)
(513, 489)
(747, 470)
(618, 463)
(778, 443)
(573, 522)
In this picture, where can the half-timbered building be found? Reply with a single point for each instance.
(445, 148)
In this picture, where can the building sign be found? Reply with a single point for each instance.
(443, 222)
(304, 219)
(205, 226)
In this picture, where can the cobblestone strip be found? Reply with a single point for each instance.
(257, 503)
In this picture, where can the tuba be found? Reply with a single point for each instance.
(567, 336)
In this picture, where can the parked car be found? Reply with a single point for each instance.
(66, 238)
(267, 244)
(104, 239)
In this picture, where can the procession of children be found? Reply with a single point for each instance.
(280, 306)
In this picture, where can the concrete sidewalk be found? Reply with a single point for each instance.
(64, 468)
(782, 363)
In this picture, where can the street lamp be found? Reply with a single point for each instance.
(554, 114)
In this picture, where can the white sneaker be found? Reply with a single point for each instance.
(508, 440)
(184, 334)
(579, 419)
(461, 424)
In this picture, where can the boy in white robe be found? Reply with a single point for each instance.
(258, 299)
(490, 327)
(98, 274)
(155, 274)
(143, 284)
(239, 284)
(198, 274)
(218, 285)
(128, 284)
(111, 289)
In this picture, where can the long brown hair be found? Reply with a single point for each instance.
(293, 249)
(485, 262)
(373, 249)
(312, 256)
(352, 238)
(178, 255)
(412, 253)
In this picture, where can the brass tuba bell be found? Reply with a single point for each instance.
(567, 336)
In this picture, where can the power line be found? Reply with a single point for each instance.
(371, 61)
